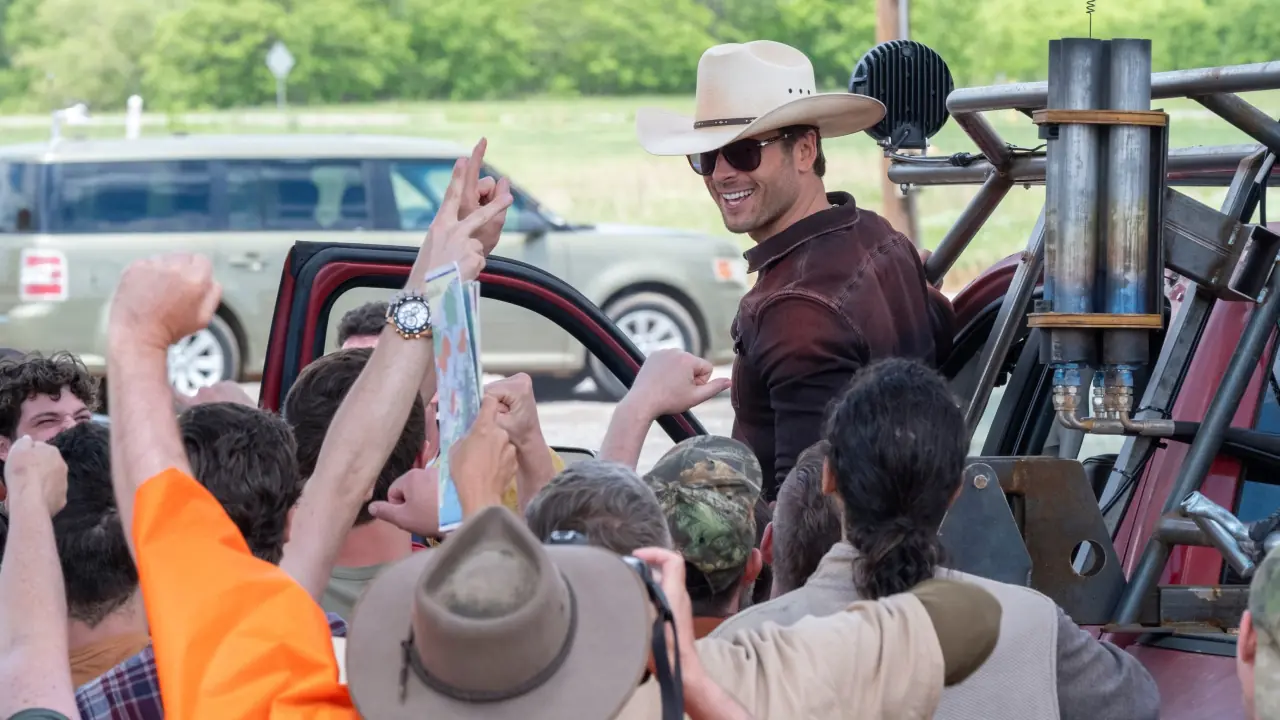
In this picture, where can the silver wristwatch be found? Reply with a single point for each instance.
(410, 314)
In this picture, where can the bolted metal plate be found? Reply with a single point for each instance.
(980, 534)
(1052, 503)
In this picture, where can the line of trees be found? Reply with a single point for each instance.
(193, 54)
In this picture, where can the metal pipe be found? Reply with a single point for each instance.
(1222, 541)
(1244, 116)
(1207, 443)
(975, 215)
(1073, 180)
(1174, 83)
(1128, 182)
(1181, 531)
(989, 142)
(1197, 505)
(1028, 169)
(1008, 321)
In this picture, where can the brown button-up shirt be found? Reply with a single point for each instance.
(836, 290)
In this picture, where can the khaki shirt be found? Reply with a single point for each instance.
(876, 660)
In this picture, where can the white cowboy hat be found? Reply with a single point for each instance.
(745, 89)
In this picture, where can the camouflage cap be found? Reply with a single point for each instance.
(1264, 609)
(708, 487)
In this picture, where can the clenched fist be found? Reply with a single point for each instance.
(35, 473)
(163, 299)
(673, 381)
(483, 462)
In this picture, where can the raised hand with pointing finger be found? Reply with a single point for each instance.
(455, 235)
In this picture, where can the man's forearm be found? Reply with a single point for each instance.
(705, 700)
(535, 468)
(358, 443)
(144, 432)
(33, 617)
(628, 428)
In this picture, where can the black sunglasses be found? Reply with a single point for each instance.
(743, 155)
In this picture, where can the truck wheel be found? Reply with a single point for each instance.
(652, 321)
(204, 358)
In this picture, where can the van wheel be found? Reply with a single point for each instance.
(204, 358)
(653, 322)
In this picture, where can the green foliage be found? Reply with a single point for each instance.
(209, 53)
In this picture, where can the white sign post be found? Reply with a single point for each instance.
(280, 62)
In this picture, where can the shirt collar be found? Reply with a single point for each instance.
(843, 211)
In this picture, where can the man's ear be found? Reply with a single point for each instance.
(1247, 643)
(766, 544)
(4, 448)
(288, 523)
(828, 479)
(755, 563)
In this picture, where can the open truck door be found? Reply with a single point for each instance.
(316, 275)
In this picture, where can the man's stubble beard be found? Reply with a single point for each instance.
(777, 201)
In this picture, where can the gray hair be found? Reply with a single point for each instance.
(605, 501)
(806, 523)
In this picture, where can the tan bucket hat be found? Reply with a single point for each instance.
(494, 624)
(745, 89)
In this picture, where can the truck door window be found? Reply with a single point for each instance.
(137, 197)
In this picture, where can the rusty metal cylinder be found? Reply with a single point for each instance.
(1127, 223)
(1074, 184)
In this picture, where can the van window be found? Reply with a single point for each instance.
(418, 187)
(132, 197)
(297, 195)
(17, 197)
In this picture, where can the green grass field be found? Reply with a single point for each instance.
(580, 157)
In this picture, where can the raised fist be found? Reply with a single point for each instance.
(162, 299)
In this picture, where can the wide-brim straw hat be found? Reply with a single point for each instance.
(494, 624)
(747, 89)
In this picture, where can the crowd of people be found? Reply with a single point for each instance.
(200, 557)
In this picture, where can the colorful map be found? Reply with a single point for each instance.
(455, 320)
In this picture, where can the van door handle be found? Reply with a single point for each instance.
(250, 261)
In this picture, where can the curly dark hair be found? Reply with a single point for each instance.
(315, 398)
(897, 450)
(246, 458)
(24, 377)
(364, 321)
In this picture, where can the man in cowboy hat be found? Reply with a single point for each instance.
(838, 287)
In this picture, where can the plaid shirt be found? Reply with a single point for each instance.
(131, 690)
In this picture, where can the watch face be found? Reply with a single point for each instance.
(413, 316)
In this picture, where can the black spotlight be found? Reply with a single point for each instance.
(913, 82)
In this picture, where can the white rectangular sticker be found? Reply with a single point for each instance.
(42, 276)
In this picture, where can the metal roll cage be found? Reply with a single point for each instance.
(1186, 518)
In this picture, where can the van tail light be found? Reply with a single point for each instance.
(42, 276)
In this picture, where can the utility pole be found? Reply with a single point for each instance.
(892, 17)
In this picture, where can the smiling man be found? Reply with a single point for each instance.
(838, 287)
(42, 396)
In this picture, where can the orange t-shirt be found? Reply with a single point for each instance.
(235, 637)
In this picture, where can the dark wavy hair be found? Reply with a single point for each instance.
(24, 377)
(897, 450)
(313, 402)
(368, 320)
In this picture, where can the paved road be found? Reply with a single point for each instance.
(580, 421)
